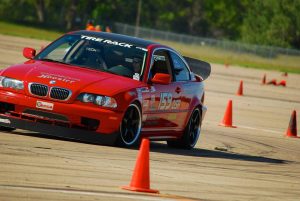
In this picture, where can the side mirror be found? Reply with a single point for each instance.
(161, 78)
(28, 52)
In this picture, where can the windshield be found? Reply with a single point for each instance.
(97, 53)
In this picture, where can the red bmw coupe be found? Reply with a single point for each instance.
(106, 88)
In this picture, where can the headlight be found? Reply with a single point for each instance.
(100, 100)
(109, 102)
(6, 82)
(88, 98)
(103, 101)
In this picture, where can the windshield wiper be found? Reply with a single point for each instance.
(52, 60)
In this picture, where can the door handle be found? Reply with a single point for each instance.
(178, 90)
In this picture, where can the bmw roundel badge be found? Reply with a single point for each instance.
(52, 82)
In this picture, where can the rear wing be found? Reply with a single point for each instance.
(199, 67)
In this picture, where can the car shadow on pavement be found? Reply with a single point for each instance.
(164, 148)
(84, 139)
(196, 152)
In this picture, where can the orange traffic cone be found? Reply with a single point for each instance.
(273, 82)
(292, 129)
(263, 81)
(140, 180)
(227, 120)
(240, 90)
(282, 83)
(226, 64)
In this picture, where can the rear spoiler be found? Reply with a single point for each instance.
(199, 67)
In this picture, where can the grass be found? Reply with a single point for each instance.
(213, 55)
(27, 32)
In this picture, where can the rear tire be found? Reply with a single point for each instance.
(191, 132)
(130, 127)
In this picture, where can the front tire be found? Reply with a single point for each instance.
(191, 133)
(8, 129)
(130, 127)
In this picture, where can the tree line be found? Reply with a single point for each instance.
(263, 22)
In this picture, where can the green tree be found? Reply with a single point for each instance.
(225, 17)
(272, 22)
(268, 22)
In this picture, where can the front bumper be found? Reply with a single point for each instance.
(109, 120)
(58, 131)
(68, 120)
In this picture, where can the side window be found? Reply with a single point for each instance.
(180, 69)
(161, 63)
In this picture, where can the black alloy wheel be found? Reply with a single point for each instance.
(191, 133)
(131, 126)
(193, 128)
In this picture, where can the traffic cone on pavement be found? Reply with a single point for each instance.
(140, 180)
(273, 82)
(282, 83)
(227, 119)
(292, 129)
(240, 90)
(263, 81)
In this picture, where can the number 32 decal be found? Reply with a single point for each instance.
(167, 102)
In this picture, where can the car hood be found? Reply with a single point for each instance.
(76, 79)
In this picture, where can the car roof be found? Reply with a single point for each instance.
(118, 37)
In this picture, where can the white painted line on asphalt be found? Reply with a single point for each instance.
(248, 127)
(81, 192)
(260, 129)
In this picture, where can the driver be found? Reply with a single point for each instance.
(91, 56)
(136, 64)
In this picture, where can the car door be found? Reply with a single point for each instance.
(182, 78)
(162, 100)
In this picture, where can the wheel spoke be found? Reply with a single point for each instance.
(134, 122)
(125, 132)
(192, 136)
(197, 119)
(130, 114)
(132, 132)
(192, 128)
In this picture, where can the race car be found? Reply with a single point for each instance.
(106, 88)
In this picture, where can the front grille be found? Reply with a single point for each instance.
(59, 93)
(55, 92)
(38, 89)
